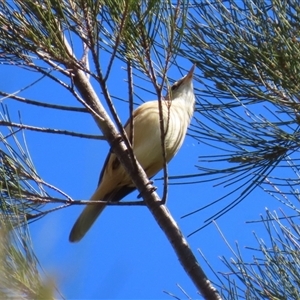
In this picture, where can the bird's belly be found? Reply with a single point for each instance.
(148, 150)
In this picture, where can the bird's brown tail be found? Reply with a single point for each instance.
(92, 211)
(85, 221)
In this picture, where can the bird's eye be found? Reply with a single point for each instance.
(173, 87)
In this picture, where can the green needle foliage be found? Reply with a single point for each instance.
(248, 52)
(19, 268)
(22, 190)
(274, 270)
(22, 194)
(248, 110)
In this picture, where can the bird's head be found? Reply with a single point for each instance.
(183, 88)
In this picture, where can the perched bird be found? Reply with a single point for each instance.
(114, 183)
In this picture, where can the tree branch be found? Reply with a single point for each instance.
(43, 104)
(50, 130)
(141, 181)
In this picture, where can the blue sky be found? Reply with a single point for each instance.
(125, 255)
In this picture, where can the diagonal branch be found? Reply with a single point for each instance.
(139, 178)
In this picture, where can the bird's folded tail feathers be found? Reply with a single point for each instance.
(85, 221)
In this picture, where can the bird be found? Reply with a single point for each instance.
(114, 183)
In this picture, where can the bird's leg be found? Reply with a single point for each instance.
(153, 189)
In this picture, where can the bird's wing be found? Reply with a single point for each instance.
(147, 148)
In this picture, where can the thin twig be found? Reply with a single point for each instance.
(68, 203)
(43, 104)
(48, 199)
(130, 98)
(158, 89)
(118, 40)
(50, 130)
